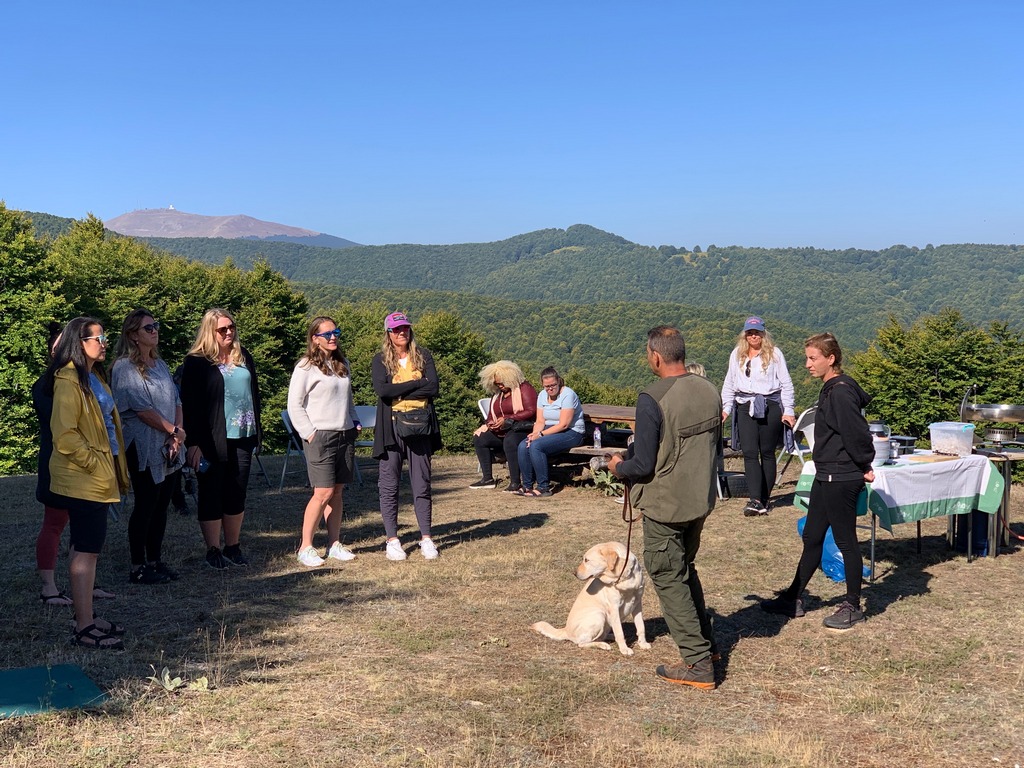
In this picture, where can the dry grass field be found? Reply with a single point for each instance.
(433, 663)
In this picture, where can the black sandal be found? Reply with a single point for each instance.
(114, 630)
(60, 597)
(94, 637)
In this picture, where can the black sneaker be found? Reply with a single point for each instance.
(764, 507)
(147, 574)
(162, 567)
(215, 559)
(492, 484)
(700, 675)
(844, 617)
(784, 606)
(234, 555)
(753, 508)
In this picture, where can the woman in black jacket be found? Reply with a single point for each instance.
(405, 381)
(842, 460)
(220, 399)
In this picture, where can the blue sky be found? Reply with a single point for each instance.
(751, 123)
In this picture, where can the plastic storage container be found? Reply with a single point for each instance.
(952, 438)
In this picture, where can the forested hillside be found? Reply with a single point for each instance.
(603, 342)
(850, 292)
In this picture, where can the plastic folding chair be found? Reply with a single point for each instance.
(367, 415)
(803, 431)
(294, 448)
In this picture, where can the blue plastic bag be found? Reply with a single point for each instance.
(831, 557)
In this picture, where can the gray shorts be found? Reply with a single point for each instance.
(331, 457)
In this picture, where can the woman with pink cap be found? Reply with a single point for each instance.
(759, 394)
(405, 381)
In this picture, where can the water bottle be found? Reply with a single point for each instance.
(203, 465)
(597, 437)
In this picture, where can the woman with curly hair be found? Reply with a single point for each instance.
(405, 380)
(759, 394)
(510, 418)
(155, 441)
(323, 414)
(220, 398)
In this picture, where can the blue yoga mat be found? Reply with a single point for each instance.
(33, 690)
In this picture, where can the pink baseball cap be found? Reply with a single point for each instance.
(396, 320)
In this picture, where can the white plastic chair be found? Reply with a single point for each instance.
(367, 415)
(484, 404)
(803, 430)
(294, 448)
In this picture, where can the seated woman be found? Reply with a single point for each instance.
(558, 428)
(510, 419)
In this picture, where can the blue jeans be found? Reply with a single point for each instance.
(533, 459)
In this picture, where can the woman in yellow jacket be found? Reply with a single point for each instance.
(87, 467)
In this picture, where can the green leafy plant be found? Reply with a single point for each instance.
(165, 680)
(607, 483)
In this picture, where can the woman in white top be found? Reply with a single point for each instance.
(759, 394)
(323, 415)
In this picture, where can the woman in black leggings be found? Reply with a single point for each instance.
(842, 459)
(758, 392)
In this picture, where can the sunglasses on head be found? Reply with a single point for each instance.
(152, 327)
(226, 329)
(328, 335)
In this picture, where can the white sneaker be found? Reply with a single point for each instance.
(339, 552)
(309, 558)
(427, 549)
(394, 550)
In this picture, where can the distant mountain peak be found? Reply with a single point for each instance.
(170, 222)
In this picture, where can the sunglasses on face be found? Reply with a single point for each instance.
(328, 335)
(152, 327)
(102, 338)
(402, 329)
(226, 329)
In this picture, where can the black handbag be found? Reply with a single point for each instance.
(414, 423)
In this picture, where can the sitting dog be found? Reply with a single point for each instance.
(614, 592)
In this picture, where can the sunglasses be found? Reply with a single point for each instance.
(747, 371)
(152, 327)
(226, 329)
(102, 338)
(328, 335)
(400, 329)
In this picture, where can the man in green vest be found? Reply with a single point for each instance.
(672, 466)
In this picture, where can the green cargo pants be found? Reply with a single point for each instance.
(669, 550)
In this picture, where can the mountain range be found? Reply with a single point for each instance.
(172, 223)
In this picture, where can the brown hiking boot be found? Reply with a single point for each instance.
(700, 675)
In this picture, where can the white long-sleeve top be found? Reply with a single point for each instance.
(741, 388)
(319, 401)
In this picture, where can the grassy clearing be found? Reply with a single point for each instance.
(433, 663)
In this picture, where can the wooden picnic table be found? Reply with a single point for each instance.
(599, 414)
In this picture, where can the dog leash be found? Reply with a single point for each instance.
(627, 517)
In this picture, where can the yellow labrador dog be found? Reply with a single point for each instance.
(605, 602)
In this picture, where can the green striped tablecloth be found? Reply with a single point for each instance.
(911, 491)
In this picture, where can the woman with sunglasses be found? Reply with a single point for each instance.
(759, 394)
(559, 427)
(220, 398)
(155, 441)
(323, 414)
(87, 467)
(405, 381)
